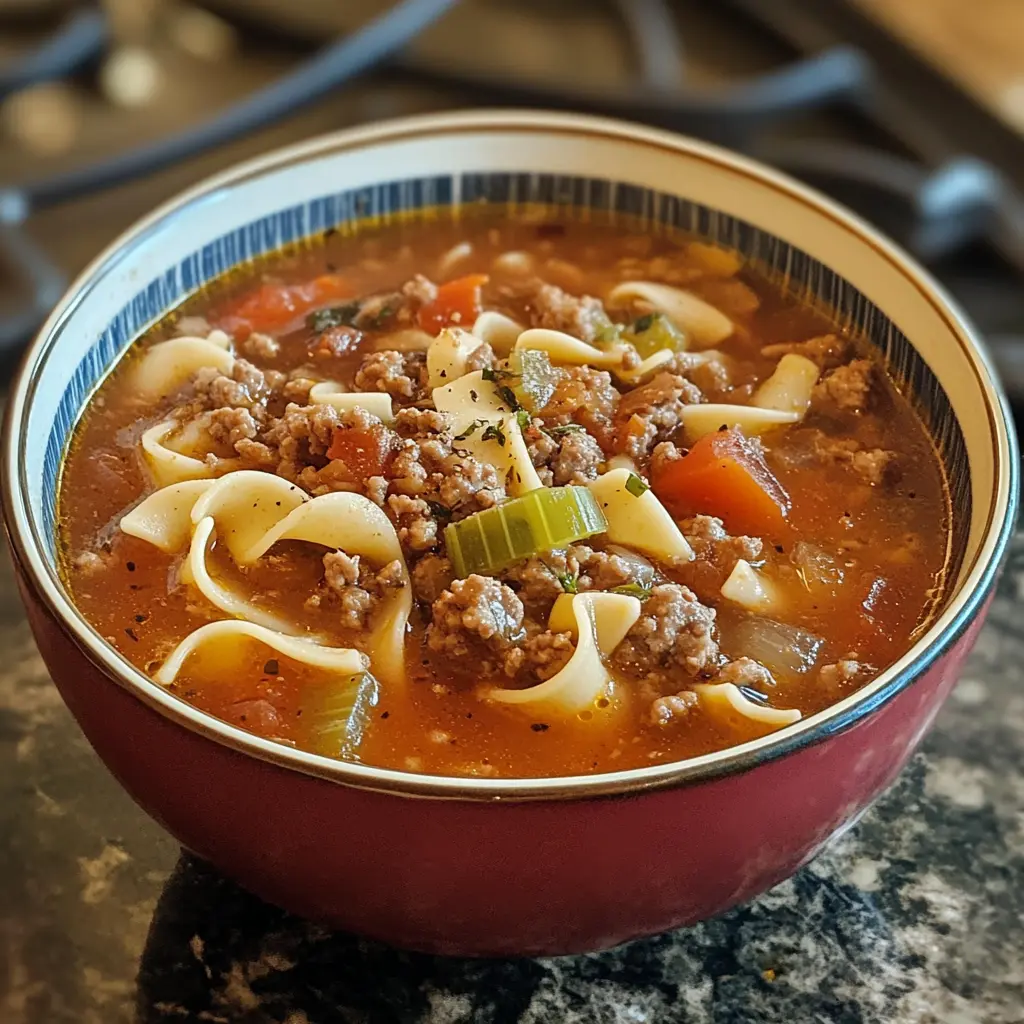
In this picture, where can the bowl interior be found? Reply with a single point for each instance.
(813, 249)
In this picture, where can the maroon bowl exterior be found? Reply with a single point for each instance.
(492, 878)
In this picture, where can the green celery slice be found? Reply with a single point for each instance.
(337, 712)
(652, 333)
(547, 518)
(535, 378)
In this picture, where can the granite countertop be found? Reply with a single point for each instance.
(916, 916)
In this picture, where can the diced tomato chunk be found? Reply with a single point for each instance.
(725, 475)
(274, 307)
(457, 302)
(366, 452)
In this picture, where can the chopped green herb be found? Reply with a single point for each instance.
(494, 433)
(508, 396)
(565, 428)
(495, 376)
(636, 486)
(633, 590)
(643, 323)
(570, 582)
(522, 418)
(439, 511)
(382, 315)
(471, 429)
(334, 316)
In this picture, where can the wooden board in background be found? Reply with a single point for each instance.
(979, 44)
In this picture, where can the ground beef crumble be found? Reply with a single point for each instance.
(477, 608)
(674, 631)
(585, 396)
(828, 350)
(583, 317)
(355, 587)
(746, 672)
(402, 375)
(538, 580)
(837, 675)
(847, 388)
(652, 412)
(715, 553)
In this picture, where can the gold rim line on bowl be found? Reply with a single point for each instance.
(977, 579)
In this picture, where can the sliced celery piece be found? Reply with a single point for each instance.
(336, 714)
(535, 378)
(544, 519)
(653, 332)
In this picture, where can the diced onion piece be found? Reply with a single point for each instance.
(789, 388)
(329, 392)
(542, 520)
(343, 660)
(783, 649)
(535, 380)
(703, 325)
(164, 367)
(564, 348)
(336, 713)
(749, 588)
(581, 684)
(707, 417)
(654, 331)
(727, 700)
(448, 355)
(614, 617)
(164, 519)
(639, 521)
(815, 566)
(647, 368)
(166, 465)
(498, 330)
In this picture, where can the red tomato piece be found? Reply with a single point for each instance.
(366, 452)
(725, 475)
(274, 307)
(457, 302)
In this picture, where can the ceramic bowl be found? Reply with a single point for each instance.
(508, 866)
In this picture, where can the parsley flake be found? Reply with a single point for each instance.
(494, 433)
(636, 486)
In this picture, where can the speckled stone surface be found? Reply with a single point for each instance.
(916, 916)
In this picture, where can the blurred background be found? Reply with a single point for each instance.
(911, 111)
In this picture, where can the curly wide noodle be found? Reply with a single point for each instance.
(249, 511)
(727, 701)
(584, 680)
(703, 325)
(168, 365)
(166, 465)
(340, 660)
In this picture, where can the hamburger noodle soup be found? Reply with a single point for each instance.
(504, 498)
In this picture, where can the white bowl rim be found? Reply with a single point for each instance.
(959, 613)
